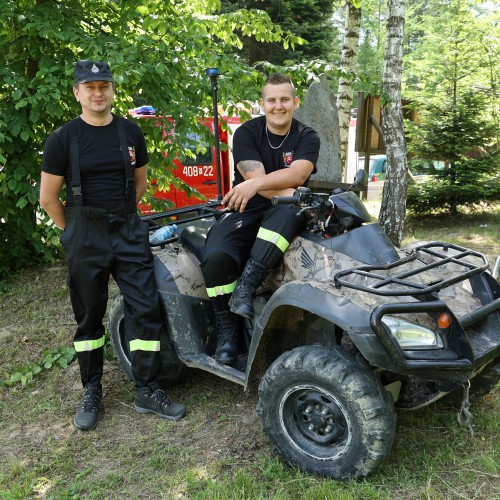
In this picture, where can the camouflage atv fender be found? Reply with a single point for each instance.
(306, 289)
(285, 323)
(184, 299)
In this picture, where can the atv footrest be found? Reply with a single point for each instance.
(205, 362)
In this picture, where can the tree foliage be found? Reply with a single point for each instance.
(311, 20)
(158, 52)
(371, 48)
(453, 79)
(459, 137)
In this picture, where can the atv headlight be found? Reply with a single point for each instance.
(412, 337)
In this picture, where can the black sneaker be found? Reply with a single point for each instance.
(90, 409)
(147, 401)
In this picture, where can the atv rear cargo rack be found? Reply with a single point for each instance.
(401, 283)
(184, 215)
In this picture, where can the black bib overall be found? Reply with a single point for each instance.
(99, 242)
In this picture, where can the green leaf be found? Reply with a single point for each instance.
(12, 184)
(21, 104)
(21, 203)
(15, 377)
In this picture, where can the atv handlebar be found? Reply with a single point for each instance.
(285, 200)
(304, 197)
(333, 213)
(301, 197)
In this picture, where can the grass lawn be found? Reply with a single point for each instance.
(218, 451)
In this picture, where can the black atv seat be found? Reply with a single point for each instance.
(193, 238)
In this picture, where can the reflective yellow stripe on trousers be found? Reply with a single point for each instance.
(221, 289)
(89, 345)
(144, 345)
(272, 237)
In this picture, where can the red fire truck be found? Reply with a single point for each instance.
(200, 172)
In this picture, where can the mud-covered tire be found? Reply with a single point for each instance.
(326, 413)
(172, 371)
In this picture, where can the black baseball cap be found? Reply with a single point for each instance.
(91, 71)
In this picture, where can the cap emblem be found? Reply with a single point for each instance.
(95, 69)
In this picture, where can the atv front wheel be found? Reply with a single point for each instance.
(172, 370)
(326, 413)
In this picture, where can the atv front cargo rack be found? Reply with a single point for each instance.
(443, 263)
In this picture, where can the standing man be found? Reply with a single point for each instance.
(102, 160)
(274, 155)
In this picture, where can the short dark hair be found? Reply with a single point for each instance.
(278, 79)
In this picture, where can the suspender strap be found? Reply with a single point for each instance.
(129, 176)
(76, 185)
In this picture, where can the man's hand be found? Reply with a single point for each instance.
(278, 183)
(239, 196)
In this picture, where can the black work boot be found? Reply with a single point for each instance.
(149, 401)
(229, 333)
(90, 409)
(241, 301)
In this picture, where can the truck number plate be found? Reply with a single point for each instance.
(194, 171)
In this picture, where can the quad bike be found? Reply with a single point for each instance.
(348, 329)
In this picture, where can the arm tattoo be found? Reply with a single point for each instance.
(249, 166)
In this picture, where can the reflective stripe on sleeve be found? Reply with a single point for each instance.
(89, 345)
(144, 345)
(272, 237)
(221, 289)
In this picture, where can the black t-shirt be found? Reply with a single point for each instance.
(102, 170)
(251, 142)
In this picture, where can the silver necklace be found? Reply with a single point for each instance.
(281, 144)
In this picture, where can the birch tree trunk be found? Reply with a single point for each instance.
(348, 66)
(393, 207)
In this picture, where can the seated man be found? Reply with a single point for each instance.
(274, 154)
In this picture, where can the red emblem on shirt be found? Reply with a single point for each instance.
(287, 158)
(131, 152)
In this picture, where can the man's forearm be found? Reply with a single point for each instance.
(55, 210)
(139, 195)
(277, 183)
(291, 177)
(270, 193)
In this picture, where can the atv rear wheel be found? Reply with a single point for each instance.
(172, 370)
(326, 413)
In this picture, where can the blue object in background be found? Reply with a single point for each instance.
(145, 110)
(163, 234)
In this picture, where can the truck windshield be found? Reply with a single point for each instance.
(201, 157)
